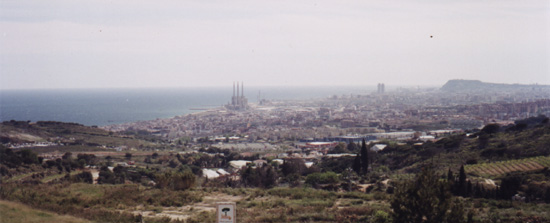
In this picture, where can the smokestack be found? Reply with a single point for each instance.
(233, 88)
(237, 89)
(242, 90)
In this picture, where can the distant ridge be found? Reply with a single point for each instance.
(476, 85)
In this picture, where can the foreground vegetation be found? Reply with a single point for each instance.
(17, 212)
(494, 174)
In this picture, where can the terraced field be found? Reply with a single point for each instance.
(502, 167)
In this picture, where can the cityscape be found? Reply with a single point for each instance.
(275, 111)
(377, 114)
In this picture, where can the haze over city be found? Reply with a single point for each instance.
(105, 44)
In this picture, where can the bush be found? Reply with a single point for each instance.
(85, 177)
(381, 217)
(322, 178)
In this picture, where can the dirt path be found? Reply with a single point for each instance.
(184, 212)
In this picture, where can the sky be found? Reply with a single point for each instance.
(134, 44)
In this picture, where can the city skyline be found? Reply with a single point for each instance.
(64, 44)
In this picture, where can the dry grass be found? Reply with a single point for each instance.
(17, 212)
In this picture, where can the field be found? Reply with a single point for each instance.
(503, 167)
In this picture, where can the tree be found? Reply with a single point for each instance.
(509, 186)
(336, 164)
(87, 159)
(364, 158)
(28, 157)
(490, 129)
(340, 148)
(85, 177)
(176, 180)
(293, 166)
(352, 147)
(264, 176)
(269, 176)
(357, 164)
(450, 176)
(120, 174)
(106, 176)
(425, 199)
(462, 182)
(67, 156)
(250, 177)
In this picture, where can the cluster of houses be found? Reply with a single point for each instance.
(311, 150)
(316, 153)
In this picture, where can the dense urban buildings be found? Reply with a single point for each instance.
(397, 114)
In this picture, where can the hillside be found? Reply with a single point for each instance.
(476, 85)
(16, 212)
(49, 134)
(481, 171)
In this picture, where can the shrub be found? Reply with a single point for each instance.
(322, 178)
(381, 217)
(85, 177)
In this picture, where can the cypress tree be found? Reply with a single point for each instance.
(357, 164)
(364, 158)
(462, 181)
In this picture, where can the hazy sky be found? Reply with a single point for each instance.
(90, 44)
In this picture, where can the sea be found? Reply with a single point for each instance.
(102, 107)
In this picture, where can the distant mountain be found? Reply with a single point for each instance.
(476, 85)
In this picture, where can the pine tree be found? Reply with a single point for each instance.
(364, 158)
